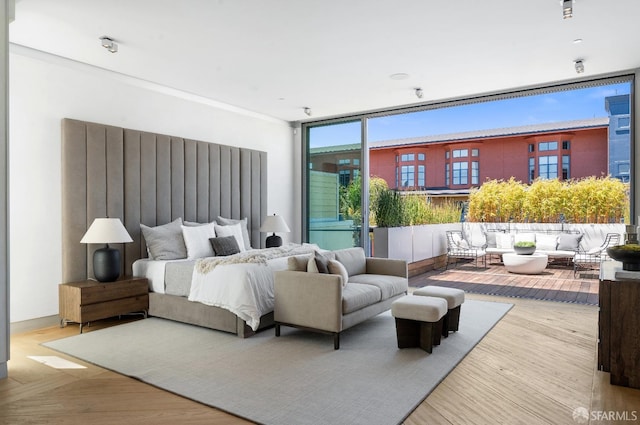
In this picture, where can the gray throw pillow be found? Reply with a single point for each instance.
(353, 259)
(322, 262)
(223, 246)
(243, 224)
(569, 241)
(165, 242)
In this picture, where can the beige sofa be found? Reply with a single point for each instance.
(321, 302)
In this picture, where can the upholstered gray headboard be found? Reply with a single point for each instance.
(153, 179)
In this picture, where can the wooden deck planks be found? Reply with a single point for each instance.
(556, 283)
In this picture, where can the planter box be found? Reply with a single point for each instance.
(412, 243)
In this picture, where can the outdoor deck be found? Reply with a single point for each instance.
(556, 283)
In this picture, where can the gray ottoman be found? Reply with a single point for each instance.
(419, 321)
(454, 298)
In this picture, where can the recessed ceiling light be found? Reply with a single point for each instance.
(577, 41)
(399, 76)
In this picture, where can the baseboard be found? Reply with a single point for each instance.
(34, 324)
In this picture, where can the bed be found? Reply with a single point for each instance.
(149, 179)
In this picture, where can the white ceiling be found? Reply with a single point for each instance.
(275, 57)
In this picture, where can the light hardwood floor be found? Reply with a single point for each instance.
(535, 367)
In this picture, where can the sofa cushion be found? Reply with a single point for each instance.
(490, 238)
(546, 242)
(569, 241)
(336, 267)
(524, 237)
(504, 241)
(389, 285)
(353, 259)
(356, 296)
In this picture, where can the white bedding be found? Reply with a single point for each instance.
(153, 270)
(245, 289)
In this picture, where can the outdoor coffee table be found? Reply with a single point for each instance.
(525, 264)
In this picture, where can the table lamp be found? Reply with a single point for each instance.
(106, 261)
(272, 224)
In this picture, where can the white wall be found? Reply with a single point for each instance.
(43, 90)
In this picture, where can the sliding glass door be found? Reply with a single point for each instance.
(334, 184)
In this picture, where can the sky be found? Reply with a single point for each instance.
(550, 107)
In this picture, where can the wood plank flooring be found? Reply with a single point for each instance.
(535, 367)
(556, 283)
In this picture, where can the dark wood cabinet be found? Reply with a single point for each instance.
(619, 326)
(87, 301)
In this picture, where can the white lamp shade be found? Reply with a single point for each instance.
(274, 224)
(106, 230)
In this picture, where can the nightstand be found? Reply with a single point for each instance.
(89, 300)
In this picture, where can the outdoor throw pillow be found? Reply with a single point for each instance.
(490, 237)
(226, 245)
(545, 242)
(336, 267)
(569, 241)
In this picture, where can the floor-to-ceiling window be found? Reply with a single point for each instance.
(334, 184)
(444, 150)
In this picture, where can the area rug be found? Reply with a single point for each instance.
(297, 378)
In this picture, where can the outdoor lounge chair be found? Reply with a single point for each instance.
(458, 247)
(591, 259)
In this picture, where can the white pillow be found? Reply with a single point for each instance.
(504, 241)
(196, 239)
(336, 267)
(243, 225)
(546, 242)
(524, 237)
(234, 230)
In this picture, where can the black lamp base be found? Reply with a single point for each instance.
(274, 241)
(106, 264)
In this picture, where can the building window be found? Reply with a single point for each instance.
(447, 173)
(532, 147)
(460, 153)
(356, 162)
(623, 123)
(344, 161)
(345, 177)
(475, 172)
(447, 155)
(420, 157)
(407, 157)
(407, 176)
(532, 169)
(566, 175)
(475, 152)
(420, 175)
(548, 167)
(547, 146)
(460, 173)
(566, 144)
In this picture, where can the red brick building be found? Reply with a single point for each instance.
(449, 165)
